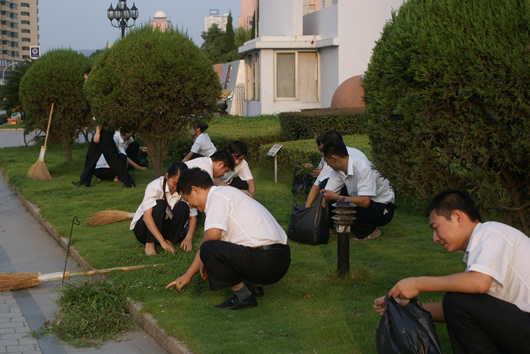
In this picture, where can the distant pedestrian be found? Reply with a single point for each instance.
(202, 145)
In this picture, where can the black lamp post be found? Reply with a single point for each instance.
(122, 14)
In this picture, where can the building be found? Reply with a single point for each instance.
(160, 21)
(298, 62)
(19, 21)
(215, 18)
(246, 12)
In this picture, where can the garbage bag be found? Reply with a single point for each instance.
(309, 225)
(406, 329)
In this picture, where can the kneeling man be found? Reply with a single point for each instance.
(243, 245)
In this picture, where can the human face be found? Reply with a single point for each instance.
(126, 136)
(194, 132)
(238, 158)
(333, 162)
(195, 199)
(172, 183)
(448, 232)
(219, 169)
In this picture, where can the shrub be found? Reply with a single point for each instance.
(156, 83)
(446, 96)
(57, 77)
(311, 123)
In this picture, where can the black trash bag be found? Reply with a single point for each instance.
(406, 329)
(309, 225)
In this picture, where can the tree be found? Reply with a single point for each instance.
(57, 77)
(241, 36)
(446, 96)
(9, 91)
(213, 44)
(156, 83)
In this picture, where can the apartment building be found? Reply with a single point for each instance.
(215, 18)
(19, 25)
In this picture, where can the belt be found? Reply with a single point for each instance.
(275, 246)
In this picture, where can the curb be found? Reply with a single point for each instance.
(145, 320)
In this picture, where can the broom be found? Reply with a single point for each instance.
(108, 217)
(14, 281)
(39, 169)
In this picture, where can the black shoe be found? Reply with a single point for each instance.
(233, 303)
(255, 289)
(78, 184)
(130, 185)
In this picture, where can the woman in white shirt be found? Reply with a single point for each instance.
(202, 145)
(162, 216)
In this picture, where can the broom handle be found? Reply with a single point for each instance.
(68, 275)
(48, 129)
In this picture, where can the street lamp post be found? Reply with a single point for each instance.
(122, 14)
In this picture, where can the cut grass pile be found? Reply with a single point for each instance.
(310, 310)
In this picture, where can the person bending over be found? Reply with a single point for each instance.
(216, 165)
(202, 145)
(243, 245)
(162, 216)
(486, 308)
(240, 177)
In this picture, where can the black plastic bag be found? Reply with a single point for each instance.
(309, 224)
(406, 329)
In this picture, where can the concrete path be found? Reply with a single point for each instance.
(25, 246)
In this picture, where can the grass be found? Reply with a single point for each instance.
(310, 310)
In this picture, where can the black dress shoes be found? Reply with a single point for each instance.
(78, 184)
(233, 303)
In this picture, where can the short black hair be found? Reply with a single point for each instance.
(329, 135)
(237, 148)
(176, 168)
(334, 147)
(199, 124)
(447, 201)
(193, 177)
(226, 157)
(87, 71)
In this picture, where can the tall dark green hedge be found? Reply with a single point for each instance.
(156, 83)
(447, 98)
(57, 77)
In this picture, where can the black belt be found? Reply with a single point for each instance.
(272, 247)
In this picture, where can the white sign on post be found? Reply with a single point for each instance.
(273, 153)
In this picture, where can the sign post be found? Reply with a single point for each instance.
(34, 52)
(273, 153)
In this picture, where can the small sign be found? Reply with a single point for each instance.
(274, 150)
(34, 52)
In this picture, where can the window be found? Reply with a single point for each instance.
(252, 75)
(26, 40)
(25, 48)
(25, 22)
(24, 4)
(297, 76)
(24, 30)
(24, 13)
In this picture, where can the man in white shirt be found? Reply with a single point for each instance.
(486, 308)
(216, 165)
(243, 244)
(367, 189)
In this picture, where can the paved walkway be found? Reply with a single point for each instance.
(25, 246)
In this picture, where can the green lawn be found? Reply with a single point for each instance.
(310, 310)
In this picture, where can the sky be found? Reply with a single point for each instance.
(83, 24)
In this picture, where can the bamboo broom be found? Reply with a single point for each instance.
(39, 170)
(15, 281)
(108, 217)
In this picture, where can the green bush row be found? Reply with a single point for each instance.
(309, 124)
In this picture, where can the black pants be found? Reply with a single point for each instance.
(171, 229)
(367, 219)
(480, 323)
(238, 183)
(108, 173)
(107, 147)
(228, 264)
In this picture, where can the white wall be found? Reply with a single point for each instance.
(280, 18)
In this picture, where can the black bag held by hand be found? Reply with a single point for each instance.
(406, 329)
(309, 224)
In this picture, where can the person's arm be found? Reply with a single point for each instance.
(151, 226)
(186, 243)
(315, 173)
(188, 156)
(251, 187)
(362, 201)
(313, 193)
(135, 165)
(196, 265)
(97, 134)
(435, 308)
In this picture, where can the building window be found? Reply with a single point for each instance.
(24, 4)
(26, 40)
(252, 75)
(297, 76)
(25, 48)
(24, 30)
(24, 13)
(25, 22)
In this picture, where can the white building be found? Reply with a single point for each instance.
(160, 21)
(299, 61)
(215, 18)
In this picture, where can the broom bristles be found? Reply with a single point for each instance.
(108, 217)
(16, 281)
(39, 170)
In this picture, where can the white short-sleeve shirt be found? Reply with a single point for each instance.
(327, 171)
(122, 146)
(243, 220)
(203, 145)
(503, 253)
(242, 170)
(153, 192)
(204, 163)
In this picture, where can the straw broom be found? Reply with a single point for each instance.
(14, 281)
(108, 217)
(39, 169)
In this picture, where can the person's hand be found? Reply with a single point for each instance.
(168, 247)
(186, 244)
(329, 195)
(247, 193)
(379, 305)
(143, 168)
(204, 275)
(405, 289)
(144, 149)
(179, 283)
(315, 173)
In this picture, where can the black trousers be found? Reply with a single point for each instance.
(480, 323)
(228, 264)
(171, 229)
(238, 183)
(107, 147)
(367, 219)
(133, 152)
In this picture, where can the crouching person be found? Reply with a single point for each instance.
(243, 244)
(162, 216)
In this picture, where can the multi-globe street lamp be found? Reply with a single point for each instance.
(122, 14)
